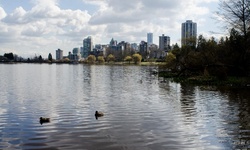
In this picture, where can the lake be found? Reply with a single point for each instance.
(141, 110)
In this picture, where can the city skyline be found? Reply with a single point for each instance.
(39, 27)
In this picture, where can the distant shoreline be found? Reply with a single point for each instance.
(194, 80)
(105, 63)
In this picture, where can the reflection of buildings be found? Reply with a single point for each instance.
(59, 54)
(188, 33)
(188, 102)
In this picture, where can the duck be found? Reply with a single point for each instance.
(98, 114)
(44, 120)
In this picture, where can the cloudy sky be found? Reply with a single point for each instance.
(39, 27)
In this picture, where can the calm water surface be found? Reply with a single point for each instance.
(141, 110)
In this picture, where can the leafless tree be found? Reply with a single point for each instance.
(236, 13)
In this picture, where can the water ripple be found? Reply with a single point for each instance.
(140, 112)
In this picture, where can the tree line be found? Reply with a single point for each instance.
(136, 58)
(226, 57)
(230, 56)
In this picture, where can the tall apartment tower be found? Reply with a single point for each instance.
(164, 42)
(59, 54)
(143, 49)
(87, 46)
(188, 33)
(150, 38)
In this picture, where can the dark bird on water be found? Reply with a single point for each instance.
(98, 114)
(44, 120)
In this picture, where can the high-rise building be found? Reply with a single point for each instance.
(164, 42)
(143, 49)
(188, 33)
(134, 47)
(59, 54)
(150, 38)
(113, 42)
(75, 55)
(87, 46)
(76, 50)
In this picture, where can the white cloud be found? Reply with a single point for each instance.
(17, 17)
(35, 28)
(135, 11)
(45, 2)
(2, 13)
(207, 1)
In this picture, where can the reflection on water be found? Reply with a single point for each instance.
(141, 110)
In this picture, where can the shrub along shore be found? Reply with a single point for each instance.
(207, 80)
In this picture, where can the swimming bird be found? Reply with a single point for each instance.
(44, 120)
(98, 114)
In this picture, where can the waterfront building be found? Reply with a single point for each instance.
(154, 51)
(113, 45)
(75, 55)
(125, 48)
(99, 50)
(143, 49)
(134, 47)
(113, 42)
(188, 33)
(59, 54)
(76, 50)
(87, 46)
(164, 43)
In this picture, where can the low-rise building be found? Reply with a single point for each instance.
(59, 54)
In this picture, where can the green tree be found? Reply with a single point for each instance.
(207, 50)
(91, 59)
(128, 58)
(201, 43)
(66, 60)
(40, 58)
(170, 60)
(50, 57)
(190, 42)
(101, 59)
(236, 13)
(10, 56)
(137, 58)
(176, 47)
(110, 57)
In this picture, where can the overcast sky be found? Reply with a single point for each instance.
(39, 27)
